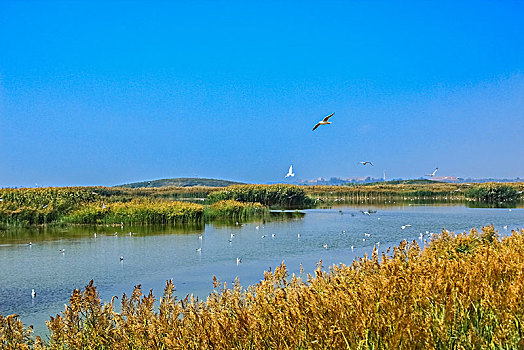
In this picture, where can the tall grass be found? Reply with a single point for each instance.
(461, 292)
(234, 210)
(137, 211)
(34, 206)
(493, 193)
(285, 196)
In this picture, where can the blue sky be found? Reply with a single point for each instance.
(102, 93)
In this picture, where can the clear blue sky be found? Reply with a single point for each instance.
(107, 92)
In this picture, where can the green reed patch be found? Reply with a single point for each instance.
(234, 210)
(137, 211)
(285, 196)
(493, 193)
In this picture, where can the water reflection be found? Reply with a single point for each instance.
(192, 254)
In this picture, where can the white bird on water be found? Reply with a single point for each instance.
(404, 226)
(33, 293)
(290, 171)
(239, 260)
(433, 173)
(121, 258)
(323, 121)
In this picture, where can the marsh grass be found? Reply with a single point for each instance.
(282, 195)
(234, 210)
(493, 193)
(137, 212)
(37, 206)
(462, 291)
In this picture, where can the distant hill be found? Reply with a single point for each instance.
(182, 182)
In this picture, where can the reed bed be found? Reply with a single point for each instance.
(493, 193)
(282, 195)
(380, 192)
(462, 291)
(36, 206)
(234, 210)
(137, 212)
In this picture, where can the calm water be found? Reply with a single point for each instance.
(153, 255)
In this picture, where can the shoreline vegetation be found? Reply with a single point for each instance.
(169, 205)
(460, 291)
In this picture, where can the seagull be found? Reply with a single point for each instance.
(290, 172)
(239, 260)
(323, 121)
(33, 293)
(257, 227)
(121, 258)
(351, 248)
(199, 250)
(62, 251)
(325, 246)
(30, 243)
(298, 235)
(272, 235)
(367, 162)
(232, 235)
(95, 234)
(263, 236)
(367, 234)
(200, 237)
(433, 173)
(404, 226)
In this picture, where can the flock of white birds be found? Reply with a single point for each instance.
(326, 121)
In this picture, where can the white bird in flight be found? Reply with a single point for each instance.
(323, 121)
(433, 173)
(290, 171)
(367, 162)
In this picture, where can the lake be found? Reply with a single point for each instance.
(192, 254)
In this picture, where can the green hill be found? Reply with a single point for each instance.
(181, 182)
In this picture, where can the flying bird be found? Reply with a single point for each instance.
(433, 173)
(290, 171)
(366, 162)
(323, 121)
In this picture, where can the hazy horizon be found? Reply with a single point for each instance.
(119, 92)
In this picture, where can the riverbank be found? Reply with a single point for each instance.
(95, 205)
(460, 291)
